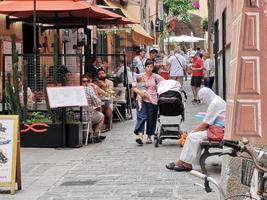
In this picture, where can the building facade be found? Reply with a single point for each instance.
(239, 44)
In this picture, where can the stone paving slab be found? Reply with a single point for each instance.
(117, 169)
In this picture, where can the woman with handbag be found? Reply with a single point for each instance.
(191, 150)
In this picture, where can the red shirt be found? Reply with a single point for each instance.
(197, 63)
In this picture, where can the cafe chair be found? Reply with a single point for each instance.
(87, 126)
(119, 99)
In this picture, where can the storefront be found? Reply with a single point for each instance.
(5, 42)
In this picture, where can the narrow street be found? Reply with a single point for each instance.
(114, 169)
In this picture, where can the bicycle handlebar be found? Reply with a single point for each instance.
(243, 146)
(232, 144)
(198, 174)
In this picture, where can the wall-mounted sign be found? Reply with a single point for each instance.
(9, 152)
(159, 25)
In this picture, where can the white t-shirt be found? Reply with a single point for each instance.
(139, 63)
(209, 66)
(176, 67)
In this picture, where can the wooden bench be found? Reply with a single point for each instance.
(205, 153)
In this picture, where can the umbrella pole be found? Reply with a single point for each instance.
(35, 52)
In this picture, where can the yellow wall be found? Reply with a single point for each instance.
(14, 28)
(203, 10)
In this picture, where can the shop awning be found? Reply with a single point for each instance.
(49, 11)
(132, 12)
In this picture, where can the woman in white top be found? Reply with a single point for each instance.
(191, 151)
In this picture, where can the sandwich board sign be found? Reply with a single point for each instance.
(10, 170)
(66, 96)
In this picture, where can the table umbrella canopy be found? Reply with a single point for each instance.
(54, 9)
(183, 38)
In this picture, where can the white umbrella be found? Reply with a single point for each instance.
(183, 38)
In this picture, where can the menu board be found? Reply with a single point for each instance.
(68, 96)
(8, 150)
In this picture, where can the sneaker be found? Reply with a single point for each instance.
(198, 101)
(194, 101)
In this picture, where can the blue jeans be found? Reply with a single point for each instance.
(148, 114)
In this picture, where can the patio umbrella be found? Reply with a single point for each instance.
(183, 38)
(54, 9)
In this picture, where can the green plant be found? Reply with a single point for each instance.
(13, 91)
(45, 91)
(204, 24)
(39, 117)
(179, 9)
(55, 58)
(25, 90)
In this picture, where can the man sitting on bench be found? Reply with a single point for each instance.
(192, 150)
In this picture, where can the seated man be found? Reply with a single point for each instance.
(107, 86)
(191, 150)
(97, 118)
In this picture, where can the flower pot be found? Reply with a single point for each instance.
(41, 135)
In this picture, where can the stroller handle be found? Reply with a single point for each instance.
(185, 95)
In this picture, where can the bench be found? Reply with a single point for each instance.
(205, 153)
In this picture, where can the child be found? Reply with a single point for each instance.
(141, 85)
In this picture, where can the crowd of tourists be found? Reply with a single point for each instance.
(178, 65)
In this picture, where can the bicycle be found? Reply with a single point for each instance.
(256, 180)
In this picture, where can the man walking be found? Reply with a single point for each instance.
(177, 65)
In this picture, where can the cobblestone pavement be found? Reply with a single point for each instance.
(114, 169)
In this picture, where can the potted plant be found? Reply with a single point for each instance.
(39, 131)
(74, 130)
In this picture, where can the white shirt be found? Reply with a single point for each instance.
(139, 63)
(176, 67)
(209, 66)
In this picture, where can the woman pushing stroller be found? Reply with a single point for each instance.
(191, 150)
(147, 107)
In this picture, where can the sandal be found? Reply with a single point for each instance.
(149, 141)
(170, 166)
(182, 168)
(139, 141)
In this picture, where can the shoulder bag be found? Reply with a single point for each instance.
(215, 133)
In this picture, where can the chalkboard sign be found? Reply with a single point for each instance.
(68, 96)
(9, 152)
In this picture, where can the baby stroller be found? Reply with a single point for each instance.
(171, 103)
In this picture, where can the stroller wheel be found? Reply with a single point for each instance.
(156, 142)
(160, 140)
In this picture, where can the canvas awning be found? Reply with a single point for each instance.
(61, 11)
(132, 12)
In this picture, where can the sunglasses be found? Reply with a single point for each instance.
(85, 81)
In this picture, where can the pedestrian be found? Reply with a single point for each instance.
(177, 65)
(164, 72)
(191, 150)
(149, 108)
(153, 56)
(197, 75)
(209, 70)
(139, 61)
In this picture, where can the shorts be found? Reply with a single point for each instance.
(96, 117)
(108, 104)
(196, 81)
